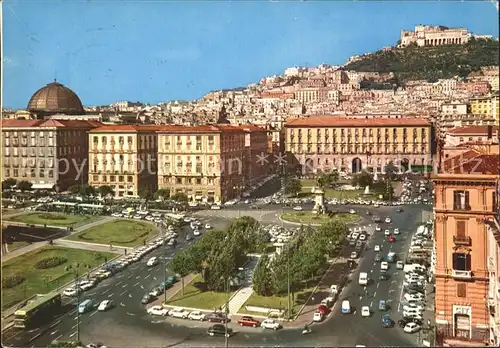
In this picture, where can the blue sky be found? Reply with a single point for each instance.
(156, 51)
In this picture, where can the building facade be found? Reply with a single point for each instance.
(320, 143)
(466, 204)
(48, 153)
(204, 162)
(488, 106)
(425, 35)
(124, 157)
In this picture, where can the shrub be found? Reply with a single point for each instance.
(50, 262)
(12, 281)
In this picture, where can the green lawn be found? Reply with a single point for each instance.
(195, 298)
(118, 232)
(55, 219)
(16, 245)
(277, 302)
(307, 218)
(40, 281)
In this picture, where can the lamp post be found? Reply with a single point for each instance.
(227, 313)
(77, 289)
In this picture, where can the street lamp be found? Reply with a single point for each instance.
(227, 284)
(77, 289)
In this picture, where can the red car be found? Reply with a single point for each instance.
(248, 321)
(391, 239)
(323, 309)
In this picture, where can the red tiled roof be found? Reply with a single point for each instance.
(336, 121)
(126, 128)
(473, 130)
(473, 162)
(49, 123)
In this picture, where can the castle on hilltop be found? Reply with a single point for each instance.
(425, 35)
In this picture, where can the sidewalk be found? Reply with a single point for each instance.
(172, 291)
(243, 294)
(91, 246)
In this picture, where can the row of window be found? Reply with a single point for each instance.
(41, 163)
(188, 181)
(16, 134)
(25, 142)
(113, 178)
(359, 150)
(461, 200)
(41, 151)
(30, 173)
(356, 131)
(379, 161)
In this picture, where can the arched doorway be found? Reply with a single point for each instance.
(405, 164)
(308, 168)
(357, 165)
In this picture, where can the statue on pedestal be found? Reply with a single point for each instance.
(319, 200)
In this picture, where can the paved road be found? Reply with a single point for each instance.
(131, 326)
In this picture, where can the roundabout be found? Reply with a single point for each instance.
(313, 219)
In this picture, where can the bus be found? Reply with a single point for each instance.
(38, 310)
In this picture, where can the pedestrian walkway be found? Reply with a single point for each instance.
(243, 294)
(23, 250)
(173, 290)
(91, 246)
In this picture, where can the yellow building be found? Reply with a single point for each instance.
(207, 163)
(486, 105)
(350, 144)
(124, 157)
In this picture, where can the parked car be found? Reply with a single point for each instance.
(197, 315)
(178, 313)
(147, 298)
(248, 321)
(387, 322)
(411, 328)
(270, 324)
(105, 305)
(365, 311)
(318, 316)
(157, 310)
(217, 317)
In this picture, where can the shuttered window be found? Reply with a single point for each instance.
(461, 229)
(462, 290)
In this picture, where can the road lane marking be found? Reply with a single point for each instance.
(378, 284)
(146, 277)
(74, 333)
(35, 337)
(110, 295)
(56, 323)
(93, 313)
(137, 277)
(371, 303)
(119, 276)
(118, 283)
(58, 337)
(71, 313)
(54, 332)
(123, 293)
(136, 284)
(124, 286)
(104, 292)
(76, 317)
(130, 276)
(374, 294)
(74, 326)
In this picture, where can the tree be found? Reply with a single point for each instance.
(362, 179)
(293, 186)
(180, 197)
(183, 264)
(262, 281)
(106, 191)
(74, 189)
(325, 180)
(163, 194)
(8, 184)
(24, 185)
(87, 191)
(146, 194)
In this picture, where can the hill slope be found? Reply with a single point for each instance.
(431, 63)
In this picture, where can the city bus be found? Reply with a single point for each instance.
(38, 310)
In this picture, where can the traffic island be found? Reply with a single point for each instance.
(195, 296)
(54, 219)
(275, 306)
(127, 233)
(313, 219)
(44, 270)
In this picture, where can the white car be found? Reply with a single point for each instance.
(157, 310)
(215, 207)
(414, 297)
(411, 328)
(86, 285)
(362, 237)
(365, 311)
(396, 231)
(179, 313)
(105, 305)
(355, 236)
(71, 292)
(197, 315)
(328, 301)
(378, 228)
(352, 211)
(270, 324)
(207, 226)
(384, 265)
(413, 306)
(387, 233)
(318, 316)
(196, 233)
(413, 315)
(354, 255)
(152, 261)
(298, 208)
(400, 265)
(388, 220)
(376, 248)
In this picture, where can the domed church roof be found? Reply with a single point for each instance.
(55, 99)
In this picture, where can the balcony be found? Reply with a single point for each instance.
(462, 240)
(461, 274)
